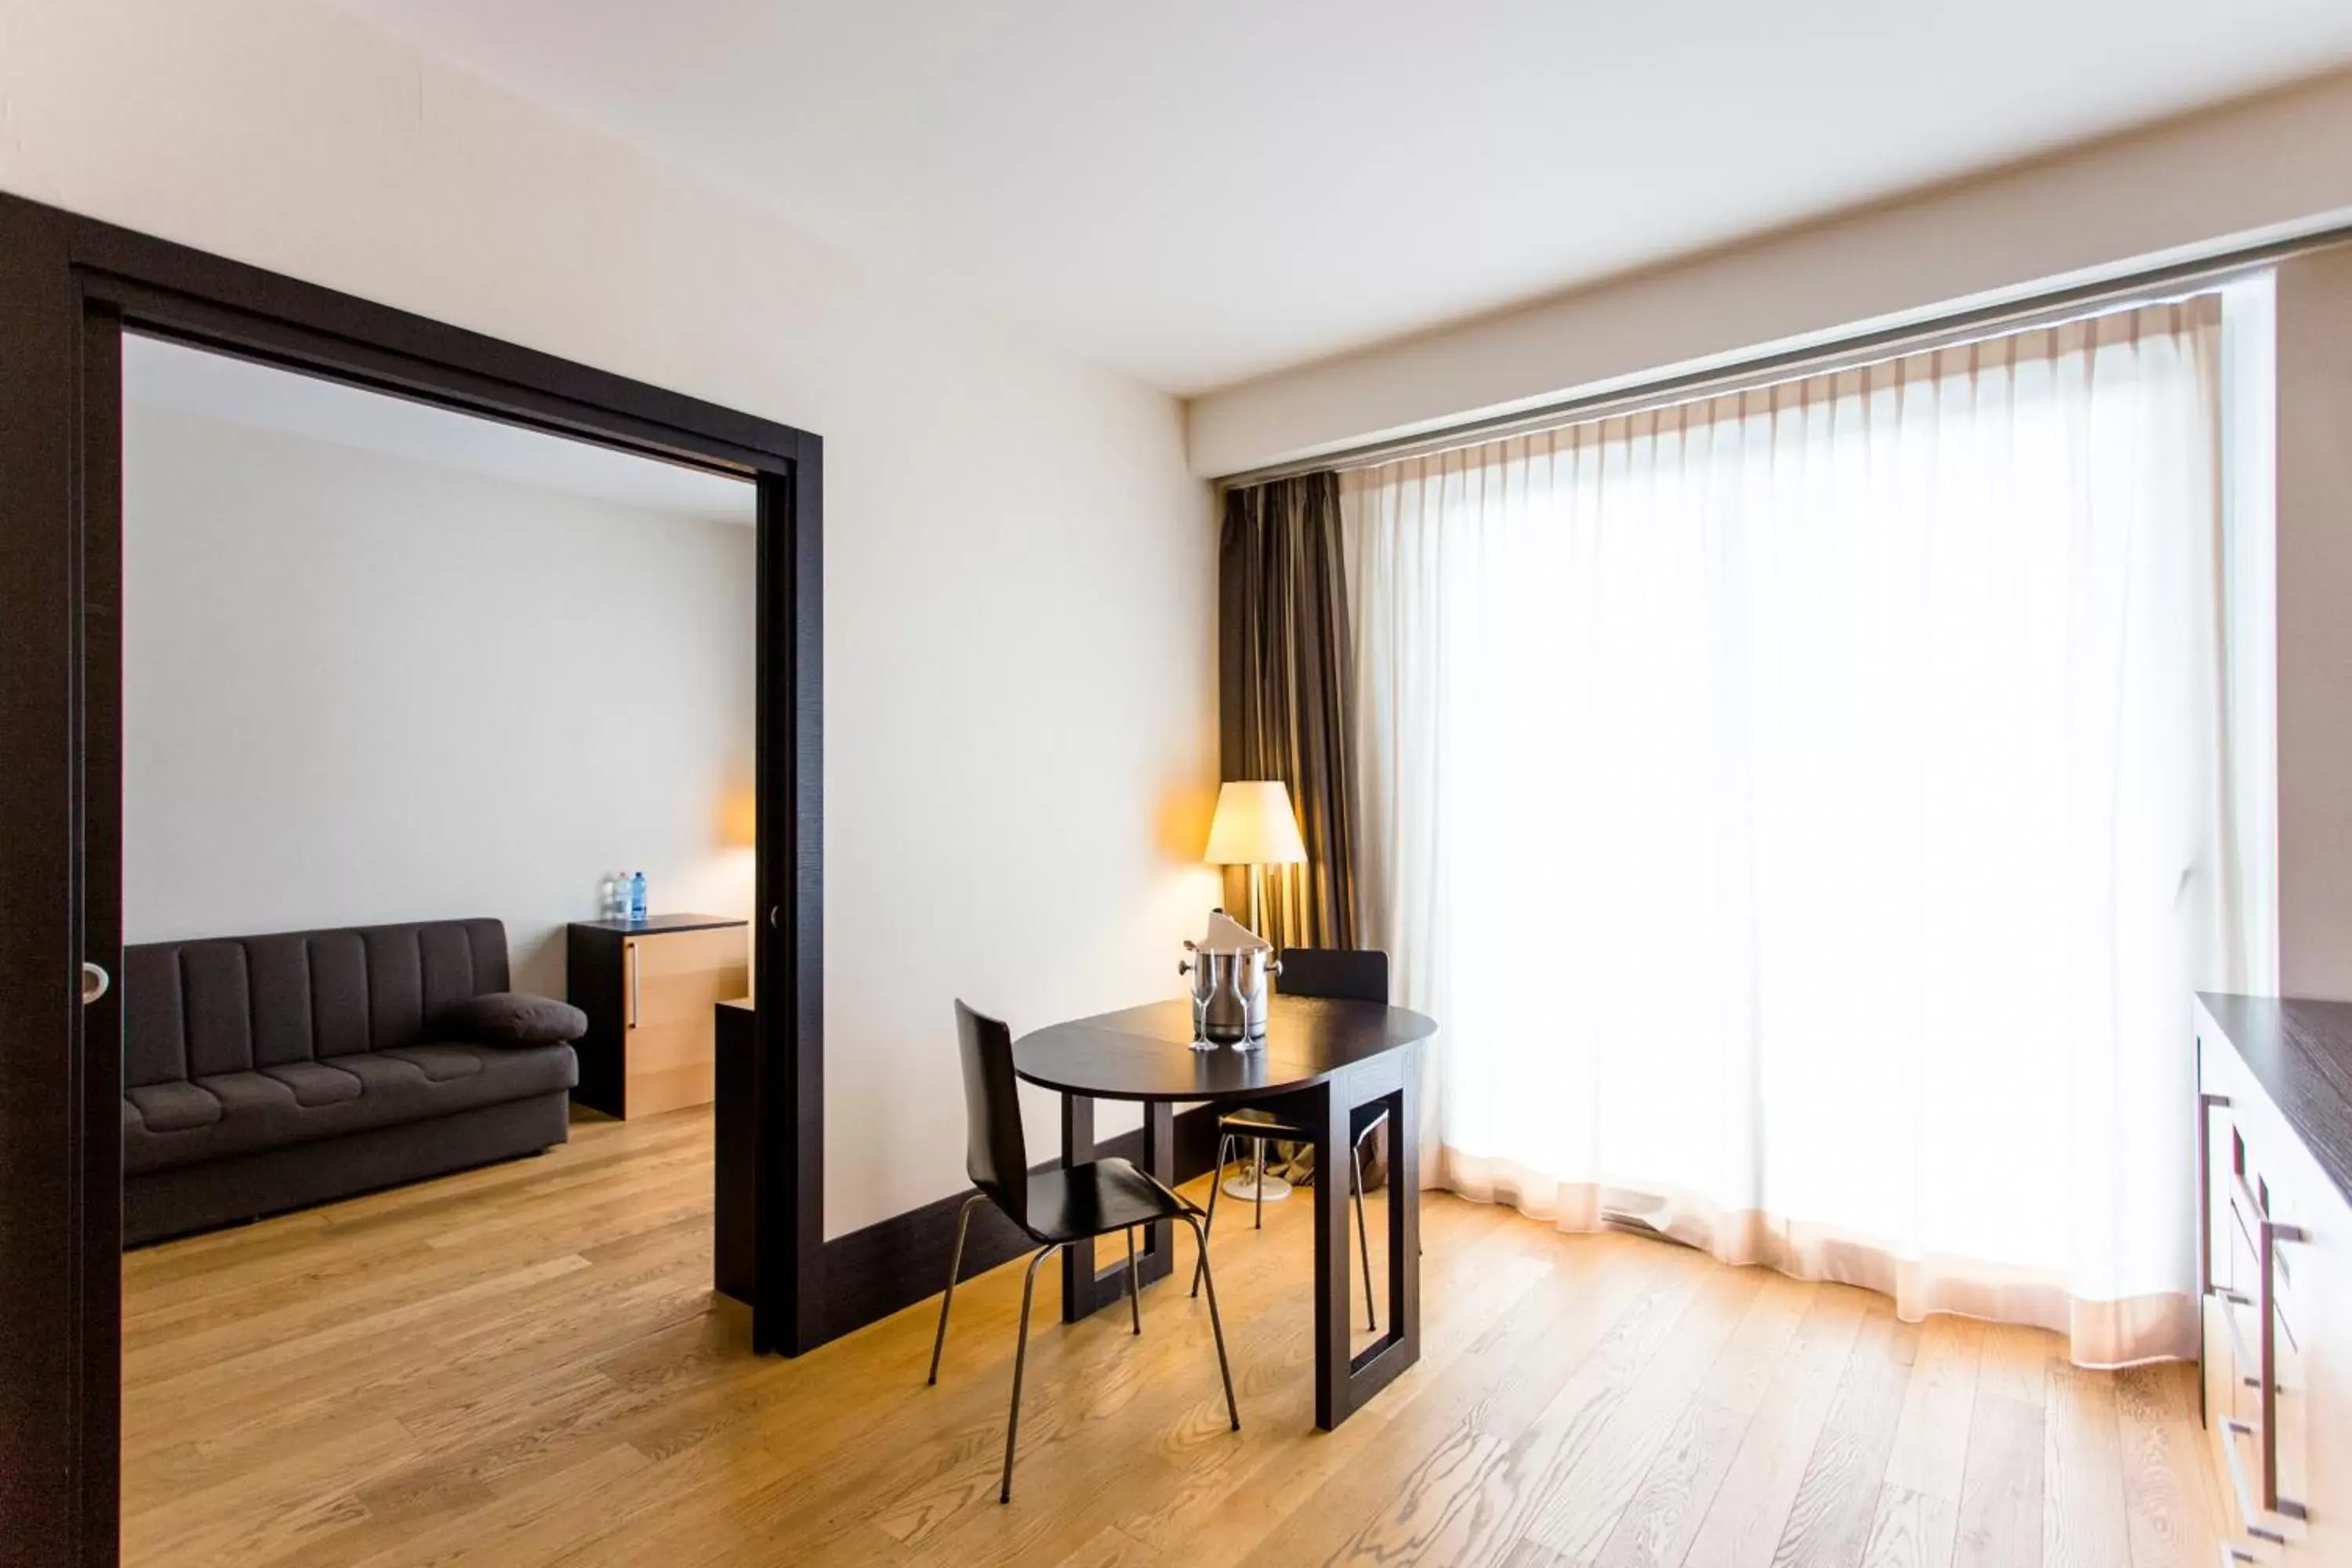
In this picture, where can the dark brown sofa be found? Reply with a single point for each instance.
(264, 1073)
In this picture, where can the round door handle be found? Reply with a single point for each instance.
(94, 982)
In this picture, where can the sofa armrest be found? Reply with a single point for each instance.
(513, 1018)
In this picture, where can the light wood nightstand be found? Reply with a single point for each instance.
(648, 988)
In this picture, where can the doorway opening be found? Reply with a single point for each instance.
(414, 704)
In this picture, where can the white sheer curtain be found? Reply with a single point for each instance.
(1802, 812)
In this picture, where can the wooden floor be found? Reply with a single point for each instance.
(525, 1365)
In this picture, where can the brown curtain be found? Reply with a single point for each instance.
(1285, 668)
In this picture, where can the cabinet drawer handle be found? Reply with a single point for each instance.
(632, 986)
(2232, 1430)
(2267, 1301)
(2206, 1104)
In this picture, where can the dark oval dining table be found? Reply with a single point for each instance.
(1334, 1067)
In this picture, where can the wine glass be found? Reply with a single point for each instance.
(1204, 975)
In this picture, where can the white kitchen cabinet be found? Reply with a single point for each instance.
(2275, 1103)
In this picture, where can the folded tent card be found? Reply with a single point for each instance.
(1226, 934)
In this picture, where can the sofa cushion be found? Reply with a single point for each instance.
(442, 1063)
(513, 1018)
(222, 1114)
(171, 1106)
(318, 1083)
(458, 1076)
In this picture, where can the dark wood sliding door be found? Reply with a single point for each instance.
(69, 288)
(58, 1312)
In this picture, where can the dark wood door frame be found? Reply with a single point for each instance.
(69, 287)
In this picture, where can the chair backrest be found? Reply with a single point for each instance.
(996, 1154)
(1343, 973)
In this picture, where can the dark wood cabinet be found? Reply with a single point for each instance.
(735, 1255)
(648, 988)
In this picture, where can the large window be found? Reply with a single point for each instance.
(1810, 811)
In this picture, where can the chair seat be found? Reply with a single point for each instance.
(1095, 1199)
(1263, 1124)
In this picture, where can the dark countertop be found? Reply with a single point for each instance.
(2301, 1053)
(654, 924)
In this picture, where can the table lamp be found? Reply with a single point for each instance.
(1254, 828)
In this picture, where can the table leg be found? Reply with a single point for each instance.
(1083, 1290)
(1333, 1275)
(1158, 1259)
(1341, 1109)
(1079, 1291)
(1404, 1208)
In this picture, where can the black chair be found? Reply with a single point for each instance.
(1344, 973)
(1055, 1207)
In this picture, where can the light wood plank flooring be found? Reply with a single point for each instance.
(525, 1365)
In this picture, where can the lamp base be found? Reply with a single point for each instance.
(1244, 1187)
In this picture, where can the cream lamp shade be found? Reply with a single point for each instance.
(1254, 826)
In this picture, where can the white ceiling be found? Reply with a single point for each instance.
(167, 376)
(1201, 191)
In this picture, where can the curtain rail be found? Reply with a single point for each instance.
(2046, 308)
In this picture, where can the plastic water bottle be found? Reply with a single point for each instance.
(616, 897)
(636, 898)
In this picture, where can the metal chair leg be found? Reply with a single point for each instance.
(1216, 1181)
(1259, 1145)
(1020, 1365)
(1364, 1238)
(1134, 1282)
(955, 1267)
(1419, 1250)
(1216, 1325)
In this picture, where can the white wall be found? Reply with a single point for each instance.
(2269, 165)
(358, 688)
(2314, 624)
(1019, 577)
